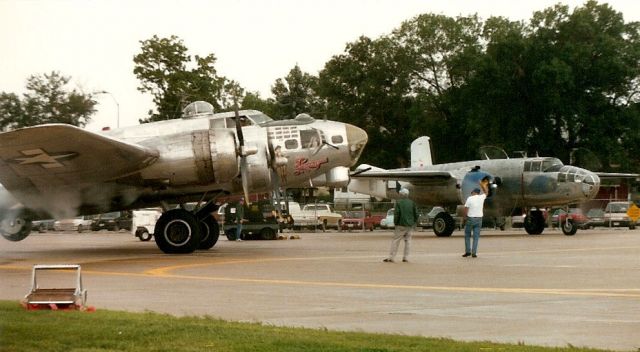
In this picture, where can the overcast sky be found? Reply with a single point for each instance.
(255, 42)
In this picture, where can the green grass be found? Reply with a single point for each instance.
(104, 330)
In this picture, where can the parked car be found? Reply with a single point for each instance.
(431, 216)
(79, 223)
(387, 222)
(325, 214)
(359, 220)
(424, 220)
(578, 217)
(596, 217)
(113, 221)
(43, 225)
(615, 215)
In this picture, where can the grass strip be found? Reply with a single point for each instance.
(104, 330)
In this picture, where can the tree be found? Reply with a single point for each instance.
(47, 100)
(297, 93)
(252, 100)
(161, 67)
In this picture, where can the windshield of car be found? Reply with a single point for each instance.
(595, 213)
(617, 208)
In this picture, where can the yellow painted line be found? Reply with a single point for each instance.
(609, 292)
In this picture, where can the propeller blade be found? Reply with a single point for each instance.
(245, 179)
(243, 156)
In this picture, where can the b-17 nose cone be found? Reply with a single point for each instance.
(357, 139)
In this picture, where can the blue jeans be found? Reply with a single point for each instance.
(473, 224)
(239, 231)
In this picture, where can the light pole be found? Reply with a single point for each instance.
(117, 105)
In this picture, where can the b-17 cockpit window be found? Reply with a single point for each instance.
(310, 138)
(291, 144)
(259, 119)
(337, 139)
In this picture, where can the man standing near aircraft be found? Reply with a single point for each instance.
(473, 219)
(239, 219)
(405, 218)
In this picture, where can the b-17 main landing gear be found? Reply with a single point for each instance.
(181, 231)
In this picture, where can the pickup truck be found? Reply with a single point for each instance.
(360, 220)
(301, 218)
(325, 215)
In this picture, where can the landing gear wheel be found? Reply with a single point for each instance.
(15, 226)
(231, 234)
(209, 232)
(569, 227)
(268, 234)
(443, 224)
(177, 231)
(534, 222)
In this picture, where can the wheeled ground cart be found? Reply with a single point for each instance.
(55, 298)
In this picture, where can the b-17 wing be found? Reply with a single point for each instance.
(39, 159)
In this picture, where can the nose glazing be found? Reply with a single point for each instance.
(357, 139)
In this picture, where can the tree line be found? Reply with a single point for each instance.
(564, 83)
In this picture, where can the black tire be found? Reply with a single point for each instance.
(15, 226)
(534, 222)
(268, 233)
(80, 228)
(42, 228)
(569, 227)
(324, 225)
(209, 232)
(177, 231)
(116, 228)
(443, 224)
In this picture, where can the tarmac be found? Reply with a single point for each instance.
(550, 290)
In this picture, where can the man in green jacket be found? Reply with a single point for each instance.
(404, 218)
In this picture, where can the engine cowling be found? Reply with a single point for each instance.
(197, 157)
(336, 178)
(472, 180)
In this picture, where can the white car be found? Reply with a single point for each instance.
(79, 223)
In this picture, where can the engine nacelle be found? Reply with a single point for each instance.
(337, 177)
(197, 157)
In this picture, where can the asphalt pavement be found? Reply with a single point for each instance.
(551, 290)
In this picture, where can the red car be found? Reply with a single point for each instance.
(359, 220)
(579, 218)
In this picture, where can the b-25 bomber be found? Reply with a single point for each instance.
(58, 170)
(517, 185)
